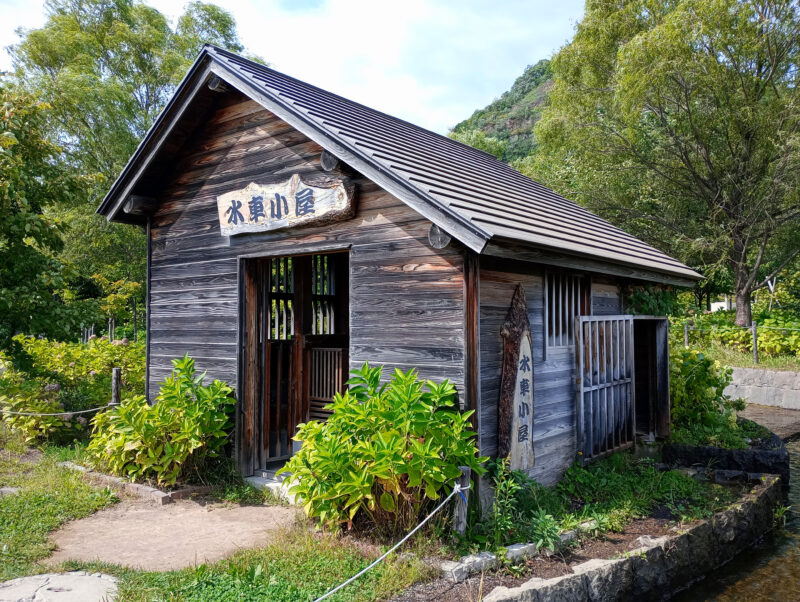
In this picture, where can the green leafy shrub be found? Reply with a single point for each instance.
(26, 399)
(53, 377)
(83, 370)
(650, 300)
(778, 332)
(701, 412)
(170, 440)
(33, 397)
(385, 453)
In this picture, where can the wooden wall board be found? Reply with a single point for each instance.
(605, 298)
(553, 402)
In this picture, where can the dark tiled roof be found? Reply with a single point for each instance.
(483, 194)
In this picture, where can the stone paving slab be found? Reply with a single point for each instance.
(77, 586)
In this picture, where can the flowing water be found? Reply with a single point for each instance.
(770, 571)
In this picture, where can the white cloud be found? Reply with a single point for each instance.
(430, 62)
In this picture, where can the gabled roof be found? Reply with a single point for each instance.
(468, 193)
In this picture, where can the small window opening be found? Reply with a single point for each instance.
(565, 299)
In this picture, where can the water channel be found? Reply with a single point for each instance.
(770, 571)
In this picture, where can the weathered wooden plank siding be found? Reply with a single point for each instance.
(605, 298)
(406, 299)
(554, 394)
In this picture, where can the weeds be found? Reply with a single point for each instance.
(611, 493)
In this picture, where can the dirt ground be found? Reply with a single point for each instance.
(140, 534)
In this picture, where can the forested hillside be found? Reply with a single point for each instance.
(510, 118)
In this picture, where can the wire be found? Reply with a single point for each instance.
(456, 489)
(10, 413)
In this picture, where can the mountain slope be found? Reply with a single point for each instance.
(511, 117)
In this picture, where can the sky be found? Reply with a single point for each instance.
(431, 62)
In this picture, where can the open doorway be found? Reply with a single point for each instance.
(651, 361)
(295, 339)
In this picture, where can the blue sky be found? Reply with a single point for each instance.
(430, 62)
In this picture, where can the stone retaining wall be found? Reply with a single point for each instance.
(766, 387)
(661, 566)
(768, 461)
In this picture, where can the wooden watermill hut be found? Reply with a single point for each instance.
(294, 234)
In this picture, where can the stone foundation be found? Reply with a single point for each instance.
(772, 460)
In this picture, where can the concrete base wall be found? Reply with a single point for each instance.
(766, 387)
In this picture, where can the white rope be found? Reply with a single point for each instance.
(456, 489)
(10, 413)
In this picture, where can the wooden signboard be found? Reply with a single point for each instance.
(515, 420)
(295, 202)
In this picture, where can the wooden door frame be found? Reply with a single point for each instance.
(245, 420)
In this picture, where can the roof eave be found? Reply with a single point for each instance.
(514, 249)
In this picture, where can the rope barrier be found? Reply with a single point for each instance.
(10, 413)
(456, 489)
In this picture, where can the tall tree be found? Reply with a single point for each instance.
(30, 177)
(107, 68)
(679, 119)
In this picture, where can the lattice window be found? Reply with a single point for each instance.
(323, 295)
(281, 299)
(566, 297)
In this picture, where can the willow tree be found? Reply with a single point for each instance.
(679, 119)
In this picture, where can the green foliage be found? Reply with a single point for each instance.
(678, 121)
(778, 331)
(31, 279)
(83, 370)
(701, 412)
(118, 296)
(386, 452)
(650, 300)
(107, 69)
(510, 119)
(505, 502)
(50, 377)
(169, 440)
(32, 397)
(478, 139)
(49, 496)
(544, 530)
(611, 492)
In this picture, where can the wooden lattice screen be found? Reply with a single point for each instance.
(605, 386)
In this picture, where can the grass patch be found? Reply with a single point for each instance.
(729, 432)
(729, 356)
(49, 496)
(298, 565)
